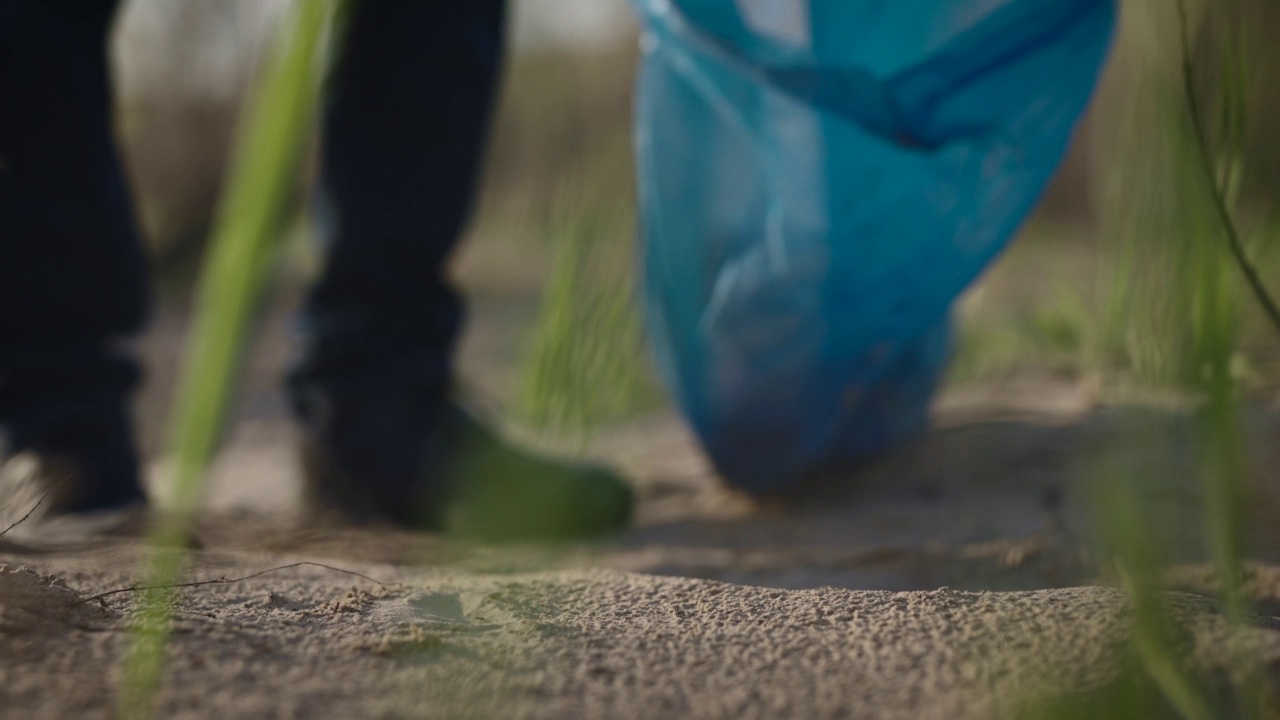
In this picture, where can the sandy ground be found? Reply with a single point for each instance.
(952, 580)
(307, 643)
(826, 605)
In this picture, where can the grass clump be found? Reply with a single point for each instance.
(1176, 317)
(586, 362)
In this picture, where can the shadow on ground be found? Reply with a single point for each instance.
(995, 497)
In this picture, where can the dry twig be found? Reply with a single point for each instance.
(30, 512)
(227, 581)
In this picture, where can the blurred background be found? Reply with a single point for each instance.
(1098, 288)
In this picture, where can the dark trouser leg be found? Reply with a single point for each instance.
(72, 274)
(402, 139)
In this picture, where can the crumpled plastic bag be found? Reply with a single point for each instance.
(818, 181)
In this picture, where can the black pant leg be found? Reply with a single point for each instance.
(72, 270)
(408, 115)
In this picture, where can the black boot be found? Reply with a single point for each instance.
(433, 466)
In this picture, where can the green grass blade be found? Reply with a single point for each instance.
(263, 175)
(1220, 206)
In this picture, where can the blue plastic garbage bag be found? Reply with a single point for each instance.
(819, 180)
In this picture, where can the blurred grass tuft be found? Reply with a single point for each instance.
(1175, 316)
(586, 362)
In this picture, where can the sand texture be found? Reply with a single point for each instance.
(826, 604)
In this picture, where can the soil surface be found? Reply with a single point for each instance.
(951, 580)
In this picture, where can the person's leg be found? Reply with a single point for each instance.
(410, 105)
(409, 108)
(72, 272)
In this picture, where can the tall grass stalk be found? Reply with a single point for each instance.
(244, 243)
(1180, 320)
(1226, 477)
(1224, 474)
(1138, 566)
